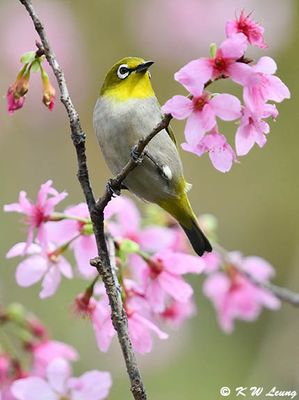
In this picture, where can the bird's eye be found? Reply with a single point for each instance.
(123, 71)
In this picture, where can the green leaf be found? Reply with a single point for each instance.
(28, 57)
(35, 66)
(129, 247)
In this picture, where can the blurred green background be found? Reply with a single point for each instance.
(256, 203)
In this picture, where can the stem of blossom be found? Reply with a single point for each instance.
(102, 262)
(57, 216)
(61, 249)
(6, 342)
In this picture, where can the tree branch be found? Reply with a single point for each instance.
(281, 293)
(102, 262)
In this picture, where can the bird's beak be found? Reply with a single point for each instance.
(144, 66)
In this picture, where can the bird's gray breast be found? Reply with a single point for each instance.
(119, 126)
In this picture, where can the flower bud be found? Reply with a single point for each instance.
(48, 91)
(16, 92)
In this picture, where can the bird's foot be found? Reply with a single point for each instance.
(113, 191)
(135, 156)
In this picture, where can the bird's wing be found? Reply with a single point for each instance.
(171, 134)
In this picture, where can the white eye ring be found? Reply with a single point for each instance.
(123, 71)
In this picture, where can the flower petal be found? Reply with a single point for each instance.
(276, 90)
(244, 140)
(32, 388)
(92, 385)
(175, 286)
(85, 249)
(266, 65)
(198, 123)
(181, 263)
(58, 372)
(155, 238)
(180, 107)
(194, 75)
(155, 295)
(50, 282)
(240, 73)
(20, 248)
(234, 47)
(31, 270)
(226, 106)
(65, 267)
(222, 158)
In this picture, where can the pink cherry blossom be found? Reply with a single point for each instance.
(39, 265)
(253, 129)
(58, 384)
(252, 30)
(176, 313)
(196, 73)
(162, 277)
(124, 222)
(202, 111)
(46, 351)
(220, 152)
(260, 84)
(140, 325)
(234, 296)
(37, 213)
(77, 229)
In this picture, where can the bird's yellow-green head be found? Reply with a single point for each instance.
(127, 79)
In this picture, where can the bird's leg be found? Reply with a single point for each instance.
(136, 157)
(113, 191)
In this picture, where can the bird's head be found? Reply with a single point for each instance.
(127, 79)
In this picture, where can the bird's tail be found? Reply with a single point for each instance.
(182, 211)
(197, 238)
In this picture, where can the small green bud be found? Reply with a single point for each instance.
(213, 50)
(16, 312)
(87, 229)
(129, 247)
(209, 223)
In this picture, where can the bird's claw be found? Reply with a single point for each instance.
(113, 191)
(135, 156)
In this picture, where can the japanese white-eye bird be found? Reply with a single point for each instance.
(126, 111)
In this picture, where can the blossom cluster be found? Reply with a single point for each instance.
(202, 108)
(49, 369)
(150, 258)
(16, 93)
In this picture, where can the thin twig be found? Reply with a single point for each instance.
(281, 293)
(102, 262)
